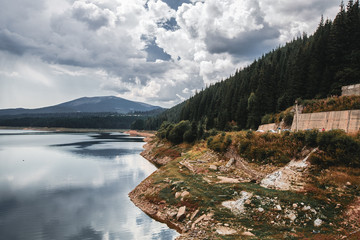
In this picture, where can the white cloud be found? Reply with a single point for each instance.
(98, 47)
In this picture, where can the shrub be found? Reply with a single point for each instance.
(218, 143)
(176, 134)
(268, 118)
(340, 149)
(311, 138)
(298, 136)
(288, 119)
(250, 134)
(189, 136)
(164, 129)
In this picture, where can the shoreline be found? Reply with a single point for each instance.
(195, 191)
(151, 209)
(133, 133)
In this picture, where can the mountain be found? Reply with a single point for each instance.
(308, 67)
(108, 104)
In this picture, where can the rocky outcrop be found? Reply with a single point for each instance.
(237, 206)
(150, 156)
(290, 177)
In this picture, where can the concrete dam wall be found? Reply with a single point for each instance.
(349, 121)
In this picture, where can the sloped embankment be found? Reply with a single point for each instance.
(209, 195)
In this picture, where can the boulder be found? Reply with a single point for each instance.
(306, 208)
(248, 234)
(291, 216)
(230, 162)
(181, 213)
(225, 230)
(277, 208)
(177, 194)
(213, 167)
(185, 194)
(318, 222)
(194, 214)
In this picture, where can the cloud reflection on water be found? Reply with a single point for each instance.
(72, 192)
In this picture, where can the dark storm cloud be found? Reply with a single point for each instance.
(251, 43)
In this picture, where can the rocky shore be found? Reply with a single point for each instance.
(205, 195)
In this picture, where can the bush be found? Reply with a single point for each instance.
(164, 130)
(176, 134)
(340, 148)
(288, 119)
(250, 134)
(189, 136)
(298, 136)
(218, 143)
(311, 138)
(268, 118)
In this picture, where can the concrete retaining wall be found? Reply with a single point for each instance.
(346, 120)
(350, 90)
(267, 127)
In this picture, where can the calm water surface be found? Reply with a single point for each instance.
(73, 186)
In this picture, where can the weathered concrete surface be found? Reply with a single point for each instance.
(267, 127)
(349, 121)
(350, 90)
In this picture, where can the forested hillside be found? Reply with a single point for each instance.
(308, 67)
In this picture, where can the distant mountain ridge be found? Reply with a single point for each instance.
(87, 105)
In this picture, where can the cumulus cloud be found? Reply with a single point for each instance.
(157, 51)
(92, 15)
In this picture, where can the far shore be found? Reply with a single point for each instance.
(135, 133)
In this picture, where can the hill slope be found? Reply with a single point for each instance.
(308, 67)
(87, 105)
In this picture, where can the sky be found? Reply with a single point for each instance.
(155, 51)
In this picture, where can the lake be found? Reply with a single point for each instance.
(73, 186)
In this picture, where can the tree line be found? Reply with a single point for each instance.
(308, 67)
(72, 120)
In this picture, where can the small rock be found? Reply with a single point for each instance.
(295, 205)
(348, 183)
(278, 208)
(306, 208)
(213, 167)
(181, 213)
(318, 222)
(185, 194)
(209, 216)
(248, 234)
(291, 216)
(177, 194)
(230, 163)
(248, 201)
(225, 230)
(226, 224)
(260, 209)
(172, 214)
(194, 214)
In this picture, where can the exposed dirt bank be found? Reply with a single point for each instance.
(206, 195)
